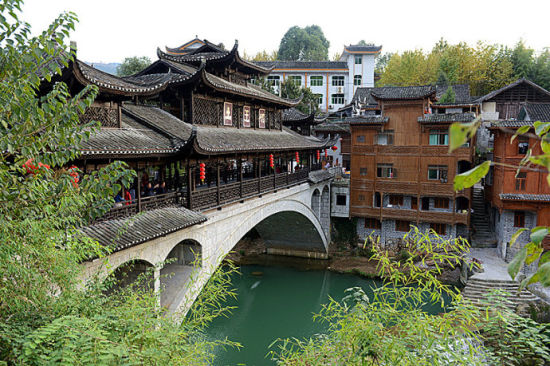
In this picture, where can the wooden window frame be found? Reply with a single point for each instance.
(396, 199)
(442, 172)
(372, 223)
(438, 202)
(441, 139)
(360, 139)
(381, 168)
(521, 179)
(523, 145)
(358, 58)
(401, 224)
(357, 80)
(440, 229)
(389, 134)
(337, 98)
(519, 218)
(361, 197)
(362, 171)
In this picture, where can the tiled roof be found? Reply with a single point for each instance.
(230, 140)
(127, 232)
(514, 84)
(360, 48)
(510, 124)
(303, 64)
(132, 139)
(525, 197)
(146, 84)
(294, 115)
(342, 127)
(538, 112)
(447, 117)
(319, 176)
(158, 119)
(368, 119)
(403, 92)
(462, 93)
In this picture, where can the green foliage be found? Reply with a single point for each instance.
(133, 65)
(304, 44)
(309, 102)
(46, 315)
(448, 97)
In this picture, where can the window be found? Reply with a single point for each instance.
(384, 138)
(316, 81)
(337, 98)
(439, 137)
(523, 145)
(385, 171)
(440, 202)
(440, 229)
(371, 223)
(361, 197)
(363, 171)
(341, 199)
(296, 79)
(274, 80)
(319, 98)
(358, 59)
(337, 81)
(414, 203)
(519, 219)
(437, 172)
(357, 80)
(401, 225)
(360, 138)
(520, 181)
(396, 200)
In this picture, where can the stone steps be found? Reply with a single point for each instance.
(482, 237)
(478, 290)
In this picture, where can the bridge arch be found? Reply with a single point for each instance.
(129, 272)
(316, 202)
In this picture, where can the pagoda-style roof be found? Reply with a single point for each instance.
(148, 130)
(149, 84)
(330, 126)
(146, 226)
(510, 124)
(446, 117)
(537, 92)
(535, 112)
(194, 45)
(216, 59)
(462, 95)
(294, 116)
(403, 92)
(360, 49)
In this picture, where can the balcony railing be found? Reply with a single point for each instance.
(446, 217)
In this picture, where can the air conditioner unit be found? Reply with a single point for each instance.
(330, 107)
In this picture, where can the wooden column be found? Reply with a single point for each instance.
(240, 167)
(218, 182)
(288, 170)
(189, 185)
(138, 191)
(259, 175)
(274, 174)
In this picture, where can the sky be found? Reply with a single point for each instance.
(109, 31)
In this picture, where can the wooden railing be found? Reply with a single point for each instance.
(125, 209)
(206, 198)
(447, 217)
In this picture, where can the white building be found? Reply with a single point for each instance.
(334, 82)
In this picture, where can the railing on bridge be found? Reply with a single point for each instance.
(209, 197)
(205, 198)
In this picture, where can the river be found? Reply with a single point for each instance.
(279, 303)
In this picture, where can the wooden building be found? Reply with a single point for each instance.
(401, 169)
(197, 131)
(518, 199)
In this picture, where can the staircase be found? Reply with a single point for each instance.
(476, 292)
(483, 236)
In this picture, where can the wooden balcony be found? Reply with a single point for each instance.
(126, 209)
(411, 215)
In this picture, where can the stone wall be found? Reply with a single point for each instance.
(340, 189)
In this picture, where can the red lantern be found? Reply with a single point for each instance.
(326, 153)
(318, 155)
(297, 157)
(74, 174)
(271, 163)
(334, 148)
(202, 171)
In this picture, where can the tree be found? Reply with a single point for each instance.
(133, 65)
(382, 61)
(448, 97)
(304, 44)
(522, 60)
(46, 316)
(309, 102)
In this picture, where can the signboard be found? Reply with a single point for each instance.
(246, 116)
(227, 114)
(261, 118)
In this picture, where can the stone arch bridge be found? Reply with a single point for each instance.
(291, 221)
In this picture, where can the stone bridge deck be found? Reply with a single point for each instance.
(290, 220)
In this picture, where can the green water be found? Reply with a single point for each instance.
(278, 304)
